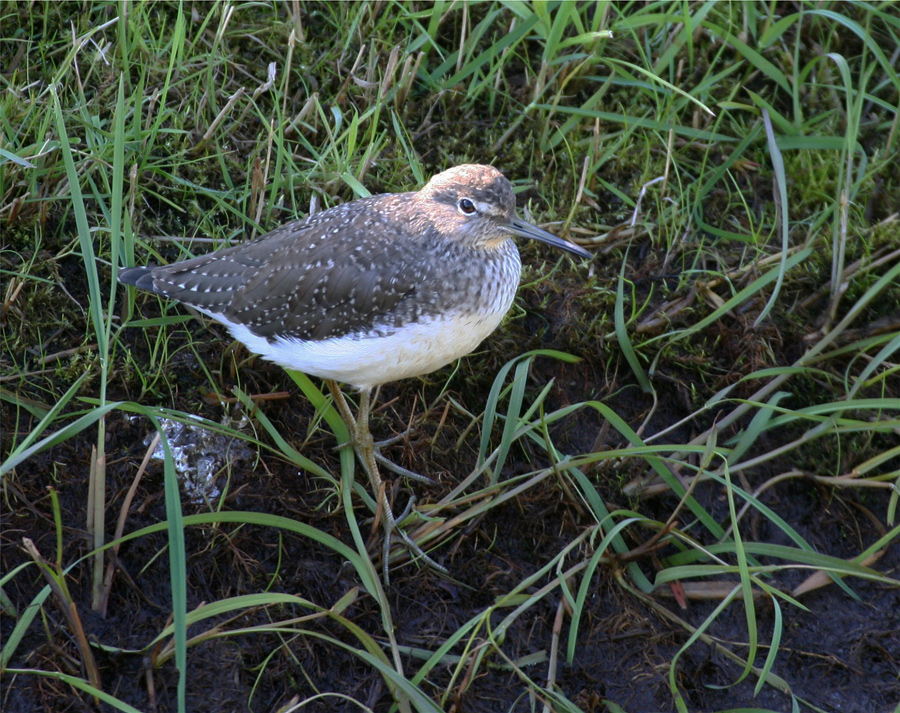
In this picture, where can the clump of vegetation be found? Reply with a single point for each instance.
(669, 481)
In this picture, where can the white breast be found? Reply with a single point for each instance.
(365, 362)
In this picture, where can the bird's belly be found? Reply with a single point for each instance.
(367, 361)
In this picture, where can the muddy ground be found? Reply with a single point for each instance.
(840, 655)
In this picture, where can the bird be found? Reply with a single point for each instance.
(371, 291)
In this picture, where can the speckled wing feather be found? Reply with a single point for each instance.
(343, 271)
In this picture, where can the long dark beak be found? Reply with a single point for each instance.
(522, 229)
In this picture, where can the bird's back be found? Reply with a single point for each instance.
(363, 270)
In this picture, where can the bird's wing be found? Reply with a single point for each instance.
(350, 270)
(335, 285)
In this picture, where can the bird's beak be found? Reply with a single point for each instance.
(521, 229)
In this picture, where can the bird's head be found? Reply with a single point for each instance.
(476, 206)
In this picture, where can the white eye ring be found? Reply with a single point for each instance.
(466, 206)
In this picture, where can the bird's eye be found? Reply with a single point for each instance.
(466, 206)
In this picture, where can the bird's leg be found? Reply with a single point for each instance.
(343, 409)
(364, 446)
(341, 403)
(366, 452)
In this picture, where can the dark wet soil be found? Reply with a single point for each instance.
(840, 655)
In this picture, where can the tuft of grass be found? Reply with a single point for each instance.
(633, 439)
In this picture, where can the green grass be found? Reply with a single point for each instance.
(733, 345)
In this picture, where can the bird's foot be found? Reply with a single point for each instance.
(400, 470)
(390, 521)
(393, 467)
(391, 527)
(387, 463)
(369, 456)
(366, 452)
